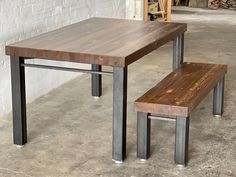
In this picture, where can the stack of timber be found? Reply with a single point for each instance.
(214, 4)
(232, 4)
(225, 4)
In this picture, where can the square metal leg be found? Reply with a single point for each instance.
(181, 141)
(178, 51)
(96, 81)
(143, 135)
(218, 99)
(18, 101)
(119, 114)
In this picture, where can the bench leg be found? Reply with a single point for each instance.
(18, 101)
(143, 135)
(96, 82)
(178, 51)
(181, 141)
(218, 99)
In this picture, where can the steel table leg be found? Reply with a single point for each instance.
(18, 100)
(181, 141)
(119, 114)
(178, 51)
(96, 81)
(218, 99)
(143, 135)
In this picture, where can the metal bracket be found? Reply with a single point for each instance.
(67, 69)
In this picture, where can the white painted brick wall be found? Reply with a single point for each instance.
(134, 9)
(21, 19)
(108, 8)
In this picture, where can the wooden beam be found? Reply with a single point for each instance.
(168, 10)
(145, 10)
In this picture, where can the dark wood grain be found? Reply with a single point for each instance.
(103, 41)
(182, 90)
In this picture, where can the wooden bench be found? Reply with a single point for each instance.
(174, 98)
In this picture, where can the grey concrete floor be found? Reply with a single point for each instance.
(70, 133)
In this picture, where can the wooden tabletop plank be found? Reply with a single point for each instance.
(112, 42)
(182, 90)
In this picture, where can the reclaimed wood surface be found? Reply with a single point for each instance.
(182, 90)
(103, 41)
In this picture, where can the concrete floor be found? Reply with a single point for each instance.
(70, 133)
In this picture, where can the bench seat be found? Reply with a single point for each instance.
(174, 98)
(182, 90)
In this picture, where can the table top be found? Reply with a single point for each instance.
(103, 41)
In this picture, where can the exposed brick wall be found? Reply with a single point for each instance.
(21, 19)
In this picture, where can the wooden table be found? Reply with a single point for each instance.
(96, 41)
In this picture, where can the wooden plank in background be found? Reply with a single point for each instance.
(145, 10)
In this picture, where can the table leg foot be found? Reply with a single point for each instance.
(143, 160)
(117, 161)
(217, 116)
(19, 146)
(181, 166)
(96, 97)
